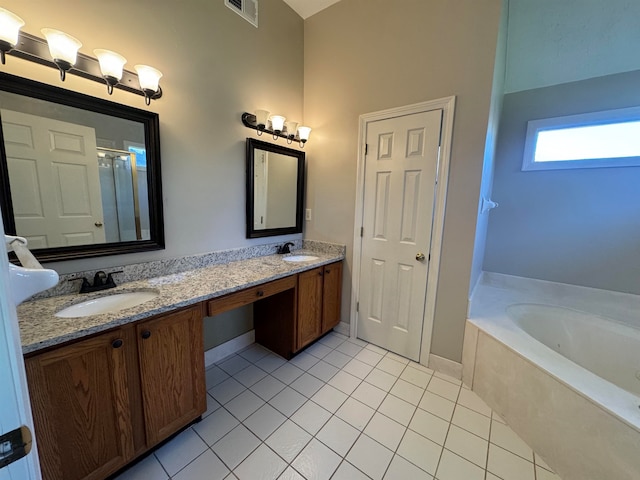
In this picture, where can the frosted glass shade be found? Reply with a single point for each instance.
(262, 116)
(111, 63)
(277, 123)
(148, 77)
(304, 133)
(292, 128)
(63, 48)
(10, 25)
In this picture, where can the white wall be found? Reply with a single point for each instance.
(558, 41)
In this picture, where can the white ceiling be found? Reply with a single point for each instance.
(306, 8)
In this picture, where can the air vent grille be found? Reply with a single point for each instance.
(247, 9)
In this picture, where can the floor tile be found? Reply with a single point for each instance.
(338, 435)
(397, 409)
(422, 368)
(345, 382)
(254, 352)
(214, 376)
(437, 405)
(497, 418)
(147, 469)
(391, 366)
(355, 413)
(311, 417)
(542, 474)
(307, 385)
(235, 446)
(288, 401)
(420, 451)
(212, 406)
(270, 362)
(337, 359)
(467, 445)
(357, 369)
(244, 405)
(407, 391)
(397, 358)
(369, 395)
(329, 398)
(473, 402)
(323, 371)
(262, 464)
(541, 463)
(318, 350)
(370, 457)
(357, 341)
(287, 373)
(332, 340)
(346, 471)
(448, 378)
(504, 437)
(268, 387)
(288, 440)
(380, 379)
(369, 356)
(228, 389)
(376, 349)
(180, 451)
(385, 431)
(430, 426)
(250, 375)
(509, 466)
(401, 469)
(349, 348)
(453, 467)
(216, 426)
(264, 421)
(304, 361)
(233, 364)
(290, 474)
(206, 467)
(416, 377)
(471, 421)
(316, 461)
(443, 388)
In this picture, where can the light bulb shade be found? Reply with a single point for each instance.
(111, 63)
(10, 25)
(277, 123)
(304, 133)
(292, 128)
(262, 116)
(63, 48)
(148, 77)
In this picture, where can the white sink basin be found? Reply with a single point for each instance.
(106, 304)
(300, 258)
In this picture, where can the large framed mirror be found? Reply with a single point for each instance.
(79, 176)
(275, 189)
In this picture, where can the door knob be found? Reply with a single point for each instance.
(98, 224)
(420, 256)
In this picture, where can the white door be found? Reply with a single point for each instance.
(55, 187)
(260, 191)
(15, 410)
(399, 189)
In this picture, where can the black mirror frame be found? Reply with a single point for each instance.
(150, 120)
(252, 144)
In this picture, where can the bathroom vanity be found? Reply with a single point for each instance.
(119, 384)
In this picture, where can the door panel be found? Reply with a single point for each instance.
(399, 191)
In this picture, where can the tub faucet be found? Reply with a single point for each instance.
(285, 248)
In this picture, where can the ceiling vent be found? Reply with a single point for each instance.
(247, 9)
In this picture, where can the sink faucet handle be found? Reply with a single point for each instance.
(85, 283)
(110, 278)
(99, 278)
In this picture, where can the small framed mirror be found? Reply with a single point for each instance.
(79, 176)
(275, 189)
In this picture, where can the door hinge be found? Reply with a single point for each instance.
(357, 306)
(366, 148)
(362, 231)
(429, 258)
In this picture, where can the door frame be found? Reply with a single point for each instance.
(447, 105)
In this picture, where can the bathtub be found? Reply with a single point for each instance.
(561, 364)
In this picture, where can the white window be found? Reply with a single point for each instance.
(592, 140)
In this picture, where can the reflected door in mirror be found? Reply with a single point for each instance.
(275, 190)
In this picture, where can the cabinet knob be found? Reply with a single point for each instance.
(146, 334)
(328, 270)
(117, 343)
(260, 293)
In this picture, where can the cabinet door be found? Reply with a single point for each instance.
(171, 353)
(81, 408)
(331, 296)
(309, 306)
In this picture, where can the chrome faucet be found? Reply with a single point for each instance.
(285, 248)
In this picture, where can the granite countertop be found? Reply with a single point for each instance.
(40, 328)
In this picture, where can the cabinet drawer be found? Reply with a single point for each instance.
(249, 295)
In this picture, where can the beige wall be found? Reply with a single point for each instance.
(216, 65)
(367, 55)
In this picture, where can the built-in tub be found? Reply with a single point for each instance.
(561, 364)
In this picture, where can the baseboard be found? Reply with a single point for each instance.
(343, 328)
(223, 350)
(446, 366)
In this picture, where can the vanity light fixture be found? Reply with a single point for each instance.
(10, 25)
(60, 50)
(279, 127)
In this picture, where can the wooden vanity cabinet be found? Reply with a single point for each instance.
(100, 402)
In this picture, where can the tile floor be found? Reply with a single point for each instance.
(341, 410)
